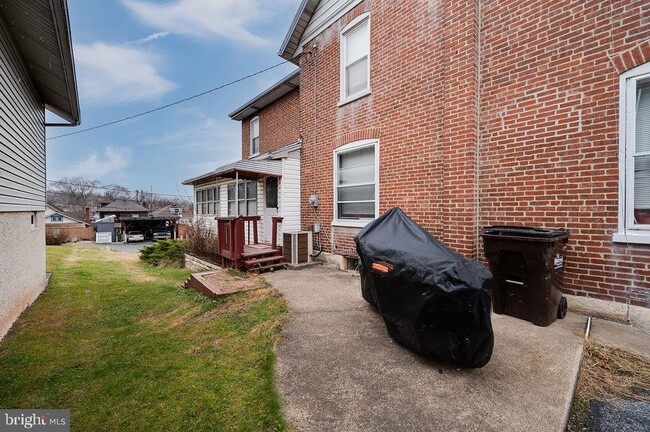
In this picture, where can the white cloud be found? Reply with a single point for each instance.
(150, 38)
(118, 73)
(95, 166)
(223, 19)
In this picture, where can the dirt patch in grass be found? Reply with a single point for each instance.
(612, 372)
(131, 263)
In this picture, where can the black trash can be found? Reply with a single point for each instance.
(528, 269)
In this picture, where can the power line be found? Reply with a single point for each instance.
(160, 108)
(118, 190)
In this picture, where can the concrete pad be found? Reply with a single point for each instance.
(620, 336)
(339, 370)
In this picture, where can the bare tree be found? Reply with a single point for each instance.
(73, 194)
(114, 192)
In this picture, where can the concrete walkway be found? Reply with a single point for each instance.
(338, 370)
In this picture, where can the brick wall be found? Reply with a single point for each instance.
(549, 130)
(528, 137)
(279, 124)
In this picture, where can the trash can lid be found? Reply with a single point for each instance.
(521, 231)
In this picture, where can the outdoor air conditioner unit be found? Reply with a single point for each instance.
(297, 247)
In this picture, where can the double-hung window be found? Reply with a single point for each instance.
(356, 184)
(242, 198)
(207, 201)
(355, 59)
(634, 156)
(255, 136)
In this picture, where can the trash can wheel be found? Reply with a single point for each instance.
(562, 309)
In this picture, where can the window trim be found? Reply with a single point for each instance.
(353, 25)
(216, 202)
(250, 137)
(238, 199)
(628, 232)
(347, 148)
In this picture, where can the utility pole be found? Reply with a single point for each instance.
(150, 197)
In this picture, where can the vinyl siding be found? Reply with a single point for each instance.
(290, 195)
(22, 135)
(327, 13)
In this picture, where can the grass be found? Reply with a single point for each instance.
(125, 348)
(608, 374)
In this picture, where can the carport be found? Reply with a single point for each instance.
(147, 225)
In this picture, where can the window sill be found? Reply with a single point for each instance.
(351, 224)
(628, 237)
(353, 98)
(254, 155)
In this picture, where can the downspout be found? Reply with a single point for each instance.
(318, 240)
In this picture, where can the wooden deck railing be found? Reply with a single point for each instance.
(234, 233)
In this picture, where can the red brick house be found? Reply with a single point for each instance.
(266, 181)
(467, 114)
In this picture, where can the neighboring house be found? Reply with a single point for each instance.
(60, 222)
(468, 114)
(126, 211)
(56, 217)
(123, 209)
(36, 73)
(266, 182)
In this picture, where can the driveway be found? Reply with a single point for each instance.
(339, 370)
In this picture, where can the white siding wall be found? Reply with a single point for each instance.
(290, 195)
(327, 13)
(22, 136)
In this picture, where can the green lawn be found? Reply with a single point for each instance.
(125, 348)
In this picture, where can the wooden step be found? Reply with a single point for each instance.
(254, 262)
(260, 253)
(270, 267)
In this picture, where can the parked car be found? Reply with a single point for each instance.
(162, 235)
(134, 236)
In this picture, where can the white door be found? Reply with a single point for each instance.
(270, 206)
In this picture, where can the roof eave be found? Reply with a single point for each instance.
(249, 107)
(62, 24)
(305, 12)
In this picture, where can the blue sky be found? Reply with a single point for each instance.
(134, 55)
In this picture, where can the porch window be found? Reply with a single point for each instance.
(255, 136)
(246, 193)
(207, 201)
(355, 59)
(356, 183)
(634, 164)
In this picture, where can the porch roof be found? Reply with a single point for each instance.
(245, 168)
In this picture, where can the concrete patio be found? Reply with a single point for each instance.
(339, 370)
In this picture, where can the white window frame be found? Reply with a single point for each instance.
(347, 148)
(628, 231)
(250, 135)
(238, 199)
(359, 21)
(216, 202)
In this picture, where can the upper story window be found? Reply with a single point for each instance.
(634, 156)
(207, 201)
(356, 183)
(355, 59)
(56, 218)
(255, 136)
(242, 198)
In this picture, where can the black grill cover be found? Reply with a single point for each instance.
(434, 301)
